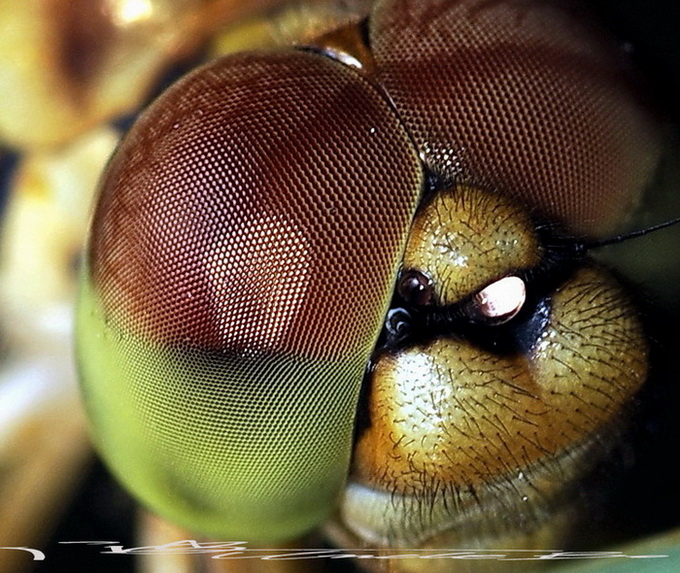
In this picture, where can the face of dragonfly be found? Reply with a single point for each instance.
(245, 249)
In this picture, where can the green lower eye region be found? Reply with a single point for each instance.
(180, 431)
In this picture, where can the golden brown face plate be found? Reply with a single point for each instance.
(472, 424)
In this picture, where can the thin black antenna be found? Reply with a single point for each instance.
(632, 235)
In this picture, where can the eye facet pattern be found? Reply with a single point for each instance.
(531, 98)
(216, 305)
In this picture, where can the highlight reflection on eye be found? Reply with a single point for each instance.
(215, 303)
(501, 300)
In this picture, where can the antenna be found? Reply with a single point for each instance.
(587, 245)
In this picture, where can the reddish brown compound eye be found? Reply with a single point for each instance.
(214, 309)
(530, 98)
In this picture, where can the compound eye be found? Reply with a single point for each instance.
(415, 287)
(458, 73)
(210, 305)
